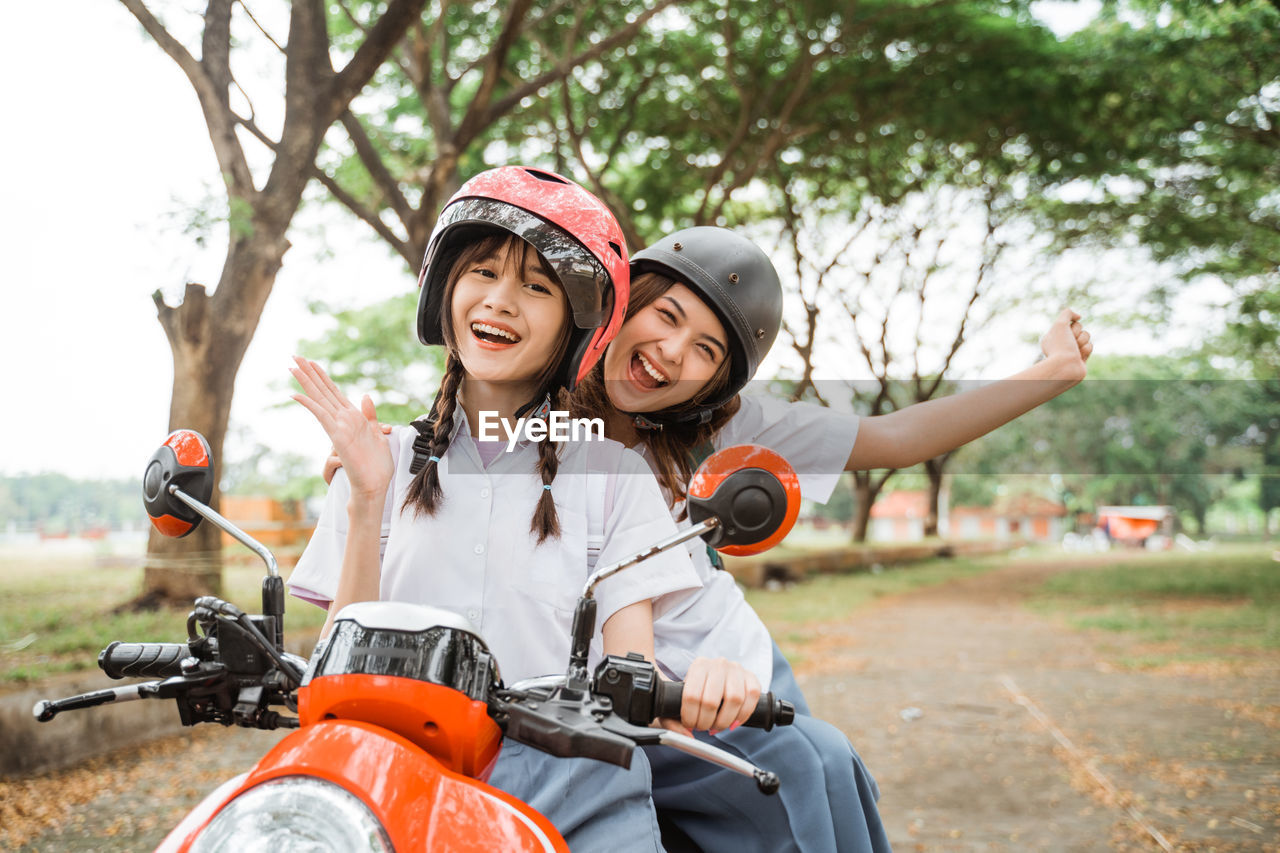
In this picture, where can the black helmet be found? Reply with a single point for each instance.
(738, 281)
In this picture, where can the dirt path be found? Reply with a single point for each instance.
(991, 728)
(987, 726)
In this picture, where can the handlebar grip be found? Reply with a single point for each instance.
(143, 660)
(769, 711)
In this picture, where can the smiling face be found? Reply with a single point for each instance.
(668, 351)
(508, 315)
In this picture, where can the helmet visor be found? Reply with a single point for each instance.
(586, 284)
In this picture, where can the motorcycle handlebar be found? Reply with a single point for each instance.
(143, 660)
(769, 711)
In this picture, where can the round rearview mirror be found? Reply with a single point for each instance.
(753, 491)
(185, 461)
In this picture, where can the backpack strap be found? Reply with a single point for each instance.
(426, 427)
(602, 478)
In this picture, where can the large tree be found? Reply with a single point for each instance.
(208, 333)
(895, 293)
(683, 121)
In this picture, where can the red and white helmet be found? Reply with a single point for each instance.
(573, 231)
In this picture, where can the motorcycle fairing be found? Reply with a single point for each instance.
(421, 804)
(453, 728)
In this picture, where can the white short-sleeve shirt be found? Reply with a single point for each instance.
(716, 620)
(478, 557)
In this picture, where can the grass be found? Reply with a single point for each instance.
(56, 613)
(1208, 606)
(791, 613)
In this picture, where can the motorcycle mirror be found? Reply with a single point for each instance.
(184, 460)
(753, 491)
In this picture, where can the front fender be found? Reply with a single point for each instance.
(421, 804)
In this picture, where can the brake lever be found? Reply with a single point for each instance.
(766, 781)
(560, 723)
(169, 688)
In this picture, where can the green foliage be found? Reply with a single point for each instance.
(1185, 101)
(1139, 430)
(267, 472)
(375, 349)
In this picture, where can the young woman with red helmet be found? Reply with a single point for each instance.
(524, 283)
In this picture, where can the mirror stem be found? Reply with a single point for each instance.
(220, 522)
(698, 529)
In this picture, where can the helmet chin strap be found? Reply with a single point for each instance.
(642, 422)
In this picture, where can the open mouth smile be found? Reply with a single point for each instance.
(645, 374)
(488, 333)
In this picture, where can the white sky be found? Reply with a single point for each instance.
(105, 146)
(101, 151)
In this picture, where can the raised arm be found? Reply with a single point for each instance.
(922, 431)
(366, 457)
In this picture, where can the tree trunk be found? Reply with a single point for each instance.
(208, 334)
(865, 490)
(208, 338)
(933, 467)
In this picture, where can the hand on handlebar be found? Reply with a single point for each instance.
(718, 694)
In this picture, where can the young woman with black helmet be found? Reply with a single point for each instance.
(705, 308)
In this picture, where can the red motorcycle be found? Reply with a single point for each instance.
(401, 711)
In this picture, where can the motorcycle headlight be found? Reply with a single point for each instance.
(296, 814)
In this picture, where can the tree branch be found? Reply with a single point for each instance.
(477, 118)
(205, 77)
(403, 247)
(373, 51)
(506, 103)
(377, 168)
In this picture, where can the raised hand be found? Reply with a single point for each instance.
(333, 463)
(1067, 338)
(357, 438)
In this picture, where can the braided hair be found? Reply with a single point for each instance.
(424, 493)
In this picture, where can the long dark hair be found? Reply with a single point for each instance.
(424, 493)
(676, 447)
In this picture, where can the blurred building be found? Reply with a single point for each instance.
(274, 523)
(899, 517)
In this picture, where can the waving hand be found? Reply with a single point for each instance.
(357, 438)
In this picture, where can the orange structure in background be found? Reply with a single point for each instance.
(1134, 524)
(899, 517)
(274, 523)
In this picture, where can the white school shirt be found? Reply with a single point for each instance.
(477, 556)
(716, 620)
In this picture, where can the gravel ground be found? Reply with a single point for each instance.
(987, 726)
(990, 728)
